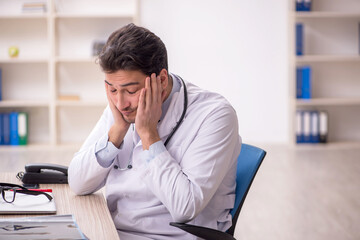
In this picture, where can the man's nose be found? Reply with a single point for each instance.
(121, 102)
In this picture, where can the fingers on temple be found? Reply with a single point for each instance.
(148, 94)
(143, 95)
(154, 88)
(158, 95)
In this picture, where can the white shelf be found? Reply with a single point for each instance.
(23, 103)
(55, 60)
(315, 102)
(23, 60)
(327, 58)
(61, 59)
(39, 147)
(331, 47)
(92, 16)
(29, 147)
(25, 16)
(81, 104)
(340, 145)
(315, 15)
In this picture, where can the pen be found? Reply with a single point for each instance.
(41, 190)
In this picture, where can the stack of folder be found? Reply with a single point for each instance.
(311, 126)
(14, 128)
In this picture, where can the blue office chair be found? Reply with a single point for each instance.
(249, 161)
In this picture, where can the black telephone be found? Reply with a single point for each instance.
(44, 173)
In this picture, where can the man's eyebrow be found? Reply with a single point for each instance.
(129, 84)
(124, 85)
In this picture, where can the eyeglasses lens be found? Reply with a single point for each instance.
(9, 195)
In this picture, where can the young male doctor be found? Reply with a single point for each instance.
(164, 149)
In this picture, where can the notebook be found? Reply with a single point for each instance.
(28, 204)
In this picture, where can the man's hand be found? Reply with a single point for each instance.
(149, 111)
(118, 130)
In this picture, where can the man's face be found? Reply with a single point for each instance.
(124, 91)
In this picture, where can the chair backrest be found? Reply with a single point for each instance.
(249, 161)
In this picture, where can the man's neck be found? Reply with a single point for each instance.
(169, 87)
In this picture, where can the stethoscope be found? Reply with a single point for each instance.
(178, 123)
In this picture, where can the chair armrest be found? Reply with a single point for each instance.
(203, 232)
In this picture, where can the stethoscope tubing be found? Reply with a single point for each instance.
(182, 115)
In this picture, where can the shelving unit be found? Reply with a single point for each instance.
(331, 48)
(56, 59)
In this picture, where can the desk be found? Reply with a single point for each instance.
(90, 211)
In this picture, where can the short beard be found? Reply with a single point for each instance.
(132, 110)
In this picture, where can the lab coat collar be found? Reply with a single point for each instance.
(136, 137)
(173, 113)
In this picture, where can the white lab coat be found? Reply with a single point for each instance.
(194, 180)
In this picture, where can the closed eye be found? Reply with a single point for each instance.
(131, 92)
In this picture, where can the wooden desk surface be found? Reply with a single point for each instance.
(90, 211)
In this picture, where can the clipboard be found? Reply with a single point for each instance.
(28, 204)
(41, 228)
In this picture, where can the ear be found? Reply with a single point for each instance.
(164, 78)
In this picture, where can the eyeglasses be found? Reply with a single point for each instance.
(8, 192)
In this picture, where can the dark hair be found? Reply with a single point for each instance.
(133, 48)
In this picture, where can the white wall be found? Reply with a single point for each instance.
(235, 47)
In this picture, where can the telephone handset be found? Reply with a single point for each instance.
(44, 173)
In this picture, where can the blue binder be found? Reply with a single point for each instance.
(1, 129)
(0, 84)
(306, 82)
(303, 5)
(6, 128)
(14, 137)
(299, 83)
(306, 5)
(299, 39)
(299, 127)
(315, 132)
(299, 5)
(307, 126)
(323, 127)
